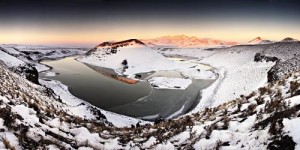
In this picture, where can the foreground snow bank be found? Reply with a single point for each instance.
(169, 83)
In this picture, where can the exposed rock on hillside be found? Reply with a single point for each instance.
(259, 58)
(29, 72)
(282, 68)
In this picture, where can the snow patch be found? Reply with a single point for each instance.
(169, 83)
(198, 74)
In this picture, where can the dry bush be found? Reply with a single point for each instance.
(259, 115)
(7, 144)
(278, 94)
(294, 86)
(226, 121)
(263, 90)
(259, 100)
(209, 130)
(276, 127)
(7, 116)
(250, 95)
(287, 113)
(34, 106)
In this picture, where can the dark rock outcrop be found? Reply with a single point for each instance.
(260, 57)
(282, 68)
(284, 143)
(29, 72)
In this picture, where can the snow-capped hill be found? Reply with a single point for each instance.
(121, 43)
(182, 41)
(256, 40)
(259, 40)
(288, 39)
(128, 58)
(114, 45)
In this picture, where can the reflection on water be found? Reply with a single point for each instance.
(163, 102)
(102, 88)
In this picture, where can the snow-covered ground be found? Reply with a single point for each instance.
(229, 115)
(248, 122)
(238, 73)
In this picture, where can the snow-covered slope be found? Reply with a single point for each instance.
(14, 55)
(183, 41)
(10, 60)
(32, 117)
(238, 72)
(129, 57)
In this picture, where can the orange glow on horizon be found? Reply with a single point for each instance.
(94, 35)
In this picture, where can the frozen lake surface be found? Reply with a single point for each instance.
(109, 91)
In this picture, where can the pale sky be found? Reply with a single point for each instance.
(91, 22)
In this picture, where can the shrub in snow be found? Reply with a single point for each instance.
(124, 62)
(7, 143)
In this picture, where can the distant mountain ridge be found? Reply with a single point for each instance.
(259, 40)
(289, 39)
(182, 41)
